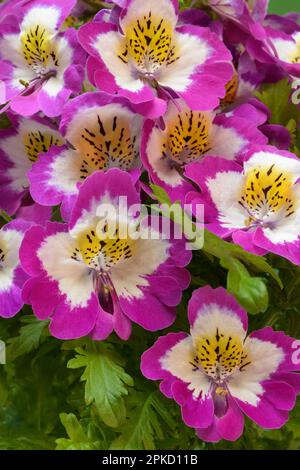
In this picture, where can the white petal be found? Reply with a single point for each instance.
(10, 241)
(267, 159)
(213, 317)
(265, 358)
(110, 45)
(12, 50)
(178, 75)
(65, 172)
(177, 361)
(64, 53)
(137, 9)
(287, 229)
(286, 50)
(148, 255)
(226, 189)
(225, 142)
(45, 16)
(73, 276)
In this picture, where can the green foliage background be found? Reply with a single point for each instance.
(284, 6)
(87, 395)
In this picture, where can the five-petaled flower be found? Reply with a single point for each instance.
(40, 65)
(91, 282)
(217, 373)
(150, 59)
(256, 204)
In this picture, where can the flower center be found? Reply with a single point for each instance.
(36, 142)
(148, 43)
(106, 145)
(267, 196)
(101, 252)
(219, 356)
(188, 137)
(38, 50)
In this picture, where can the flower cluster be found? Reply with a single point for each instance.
(102, 103)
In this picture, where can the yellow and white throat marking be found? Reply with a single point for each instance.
(108, 143)
(148, 43)
(37, 141)
(39, 49)
(267, 195)
(219, 355)
(188, 137)
(100, 252)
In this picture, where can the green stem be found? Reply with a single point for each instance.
(5, 217)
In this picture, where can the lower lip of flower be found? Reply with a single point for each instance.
(105, 290)
(220, 398)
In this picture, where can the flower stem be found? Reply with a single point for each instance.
(5, 217)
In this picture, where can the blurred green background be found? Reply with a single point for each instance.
(284, 6)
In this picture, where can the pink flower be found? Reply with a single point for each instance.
(149, 59)
(40, 65)
(90, 283)
(256, 203)
(218, 373)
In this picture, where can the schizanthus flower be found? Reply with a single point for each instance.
(89, 281)
(103, 132)
(40, 65)
(217, 373)
(149, 59)
(257, 204)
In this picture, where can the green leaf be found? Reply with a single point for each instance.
(27, 441)
(277, 96)
(105, 380)
(30, 336)
(225, 250)
(5, 217)
(78, 440)
(250, 292)
(160, 194)
(145, 423)
(4, 121)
